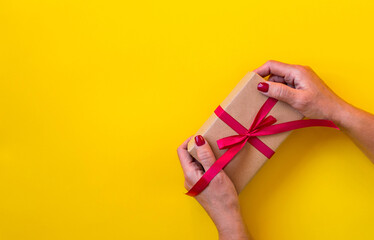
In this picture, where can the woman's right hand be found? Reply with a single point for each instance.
(300, 87)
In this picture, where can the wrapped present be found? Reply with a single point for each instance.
(245, 130)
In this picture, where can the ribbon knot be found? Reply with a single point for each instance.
(262, 125)
(253, 131)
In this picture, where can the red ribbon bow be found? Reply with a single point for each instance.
(260, 126)
(253, 131)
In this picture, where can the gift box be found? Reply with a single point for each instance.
(243, 104)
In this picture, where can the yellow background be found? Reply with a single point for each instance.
(95, 97)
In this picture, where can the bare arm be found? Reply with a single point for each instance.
(300, 87)
(358, 125)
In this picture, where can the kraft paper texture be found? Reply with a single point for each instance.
(243, 104)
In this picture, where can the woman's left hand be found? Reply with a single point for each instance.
(219, 199)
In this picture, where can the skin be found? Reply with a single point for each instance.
(300, 87)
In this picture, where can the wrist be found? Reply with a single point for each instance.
(231, 225)
(341, 112)
(234, 236)
(234, 231)
(332, 108)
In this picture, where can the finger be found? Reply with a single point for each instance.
(278, 91)
(197, 166)
(205, 154)
(275, 78)
(284, 70)
(184, 156)
(273, 67)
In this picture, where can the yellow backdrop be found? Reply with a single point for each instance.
(95, 97)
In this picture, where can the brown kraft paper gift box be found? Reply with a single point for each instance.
(243, 103)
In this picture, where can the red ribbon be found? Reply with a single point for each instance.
(260, 126)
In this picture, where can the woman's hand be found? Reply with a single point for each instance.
(219, 199)
(300, 87)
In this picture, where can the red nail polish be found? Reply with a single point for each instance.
(199, 140)
(263, 87)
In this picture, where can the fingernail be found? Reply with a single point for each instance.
(263, 87)
(199, 140)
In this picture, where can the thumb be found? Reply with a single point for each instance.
(205, 154)
(278, 91)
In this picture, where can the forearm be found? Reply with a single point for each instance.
(234, 229)
(230, 223)
(357, 124)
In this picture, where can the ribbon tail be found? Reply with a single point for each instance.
(214, 170)
(293, 125)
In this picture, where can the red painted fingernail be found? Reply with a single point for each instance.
(199, 140)
(263, 87)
